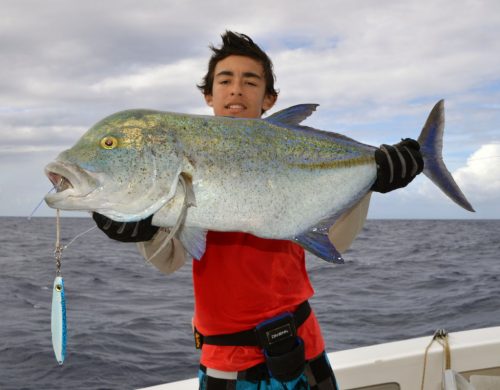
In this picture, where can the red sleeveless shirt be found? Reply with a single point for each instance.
(242, 280)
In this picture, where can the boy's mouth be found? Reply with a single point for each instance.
(234, 106)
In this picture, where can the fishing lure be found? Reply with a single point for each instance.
(58, 315)
(58, 320)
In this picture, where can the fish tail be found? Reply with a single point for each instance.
(431, 146)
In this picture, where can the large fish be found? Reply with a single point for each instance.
(270, 177)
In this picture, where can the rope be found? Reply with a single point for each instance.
(58, 229)
(441, 336)
(59, 249)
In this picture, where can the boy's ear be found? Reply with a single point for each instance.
(209, 99)
(269, 101)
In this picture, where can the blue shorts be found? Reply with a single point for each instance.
(317, 374)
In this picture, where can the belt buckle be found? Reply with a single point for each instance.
(198, 339)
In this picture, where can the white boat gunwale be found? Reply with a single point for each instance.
(473, 352)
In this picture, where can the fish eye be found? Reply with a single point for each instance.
(58, 288)
(109, 142)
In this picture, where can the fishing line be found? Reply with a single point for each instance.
(58, 315)
(58, 223)
(78, 236)
(39, 204)
(58, 325)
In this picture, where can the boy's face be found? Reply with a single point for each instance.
(239, 88)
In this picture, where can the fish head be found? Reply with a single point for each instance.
(113, 168)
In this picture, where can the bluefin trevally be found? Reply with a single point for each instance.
(270, 177)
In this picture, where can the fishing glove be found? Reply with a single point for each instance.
(397, 165)
(126, 231)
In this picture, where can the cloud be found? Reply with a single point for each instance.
(376, 68)
(394, 53)
(148, 83)
(481, 175)
(170, 75)
(479, 180)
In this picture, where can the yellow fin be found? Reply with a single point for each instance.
(346, 228)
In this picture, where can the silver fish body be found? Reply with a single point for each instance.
(274, 182)
(270, 177)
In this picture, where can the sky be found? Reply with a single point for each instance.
(375, 67)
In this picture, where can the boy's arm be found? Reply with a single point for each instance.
(149, 240)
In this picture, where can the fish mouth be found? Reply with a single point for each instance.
(61, 183)
(70, 182)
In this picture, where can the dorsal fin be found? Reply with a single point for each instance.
(292, 115)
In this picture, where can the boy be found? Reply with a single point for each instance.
(252, 319)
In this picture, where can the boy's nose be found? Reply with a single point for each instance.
(236, 89)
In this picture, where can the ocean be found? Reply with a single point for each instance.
(129, 326)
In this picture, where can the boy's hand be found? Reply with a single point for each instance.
(397, 165)
(126, 231)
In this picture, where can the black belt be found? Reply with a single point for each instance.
(249, 338)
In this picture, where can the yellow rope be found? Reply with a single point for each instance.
(58, 229)
(58, 250)
(441, 336)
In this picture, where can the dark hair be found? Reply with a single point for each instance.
(239, 45)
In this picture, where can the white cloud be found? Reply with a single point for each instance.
(481, 175)
(174, 76)
(479, 180)
(376, 67)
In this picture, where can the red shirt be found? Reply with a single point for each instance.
(242, 280)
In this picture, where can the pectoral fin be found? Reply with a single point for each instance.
(193, 239)
(187, 183)
(179, 230)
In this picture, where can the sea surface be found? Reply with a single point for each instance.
(129, 325)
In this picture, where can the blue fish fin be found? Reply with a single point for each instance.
(342, 226)
(431, 145)
(318, 243)
(194, 241)
(292, 116)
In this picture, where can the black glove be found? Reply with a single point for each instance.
(397, 165)
(126, 231)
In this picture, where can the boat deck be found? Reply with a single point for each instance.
(399, 365)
